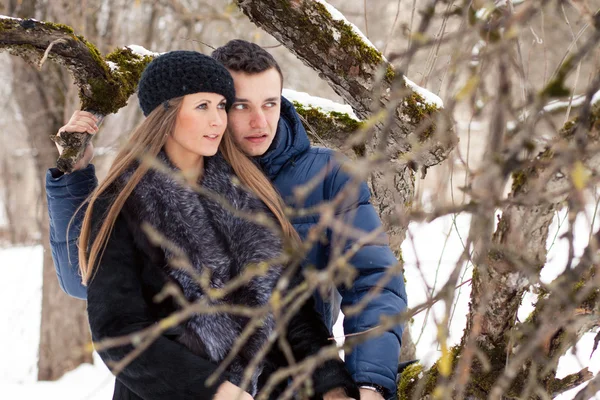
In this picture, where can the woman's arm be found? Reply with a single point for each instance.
(307, 334)
(116, 307)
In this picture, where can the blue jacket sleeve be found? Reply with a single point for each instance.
(376, 360)
(65, 193)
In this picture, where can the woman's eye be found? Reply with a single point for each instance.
(201, 106)
(221, 106)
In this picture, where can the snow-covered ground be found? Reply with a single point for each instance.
(437, 246)
(20, 311)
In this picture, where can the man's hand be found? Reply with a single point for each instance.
(337, 394)
(229, 391)
(81, 121)
(368, 394)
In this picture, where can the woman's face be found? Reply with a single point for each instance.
(199, 128)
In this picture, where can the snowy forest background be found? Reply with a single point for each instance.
(502, 180)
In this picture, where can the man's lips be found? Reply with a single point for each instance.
(256, 139)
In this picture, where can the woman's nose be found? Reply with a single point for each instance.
(218, 119)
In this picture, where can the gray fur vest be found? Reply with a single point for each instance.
(212, 238)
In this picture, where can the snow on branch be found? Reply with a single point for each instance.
(324, 105)
(328, 123)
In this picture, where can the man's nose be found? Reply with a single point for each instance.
(258, 120)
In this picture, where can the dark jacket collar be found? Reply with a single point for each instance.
(290, 141)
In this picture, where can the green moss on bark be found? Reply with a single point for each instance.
(9, 24)
(522, 176)
(408, 381)
(390, 74)
(112, 93)
(315, 21)
(433, 375)
(324, 123)
(413, 375)
(519, 178)
(556, 87)
(420, 112)
(61, 27)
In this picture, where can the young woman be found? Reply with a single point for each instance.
(185, 96)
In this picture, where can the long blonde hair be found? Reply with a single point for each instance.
(147, 139)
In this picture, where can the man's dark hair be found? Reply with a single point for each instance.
(242, 56)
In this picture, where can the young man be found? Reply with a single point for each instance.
(267, 127)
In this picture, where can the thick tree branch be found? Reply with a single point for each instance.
(356, 71)
(514, 261)
(105, 84)
(590, 390)
(519, 243)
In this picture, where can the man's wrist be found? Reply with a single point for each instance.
(374, 387)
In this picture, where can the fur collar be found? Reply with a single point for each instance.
(212, 238)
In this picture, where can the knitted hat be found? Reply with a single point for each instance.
(177, 73)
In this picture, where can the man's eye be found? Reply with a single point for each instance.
(270, 104)
(202, 106)
(239, 106)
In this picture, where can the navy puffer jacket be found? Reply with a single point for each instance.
(290, 162)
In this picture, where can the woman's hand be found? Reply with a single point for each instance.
(81, 121)
(229, 391)
(337, 394)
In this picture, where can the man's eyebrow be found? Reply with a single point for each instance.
(238, 100)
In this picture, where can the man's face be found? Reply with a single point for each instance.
(253, 118)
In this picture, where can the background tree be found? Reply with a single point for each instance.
(64, 321)
(537, 149)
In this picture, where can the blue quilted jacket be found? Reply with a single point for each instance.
(290, 162)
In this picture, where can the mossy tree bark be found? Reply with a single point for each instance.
(516, 257)
(506, 356)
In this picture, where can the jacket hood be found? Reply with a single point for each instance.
(290, 140)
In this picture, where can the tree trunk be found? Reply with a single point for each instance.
(64, 329)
